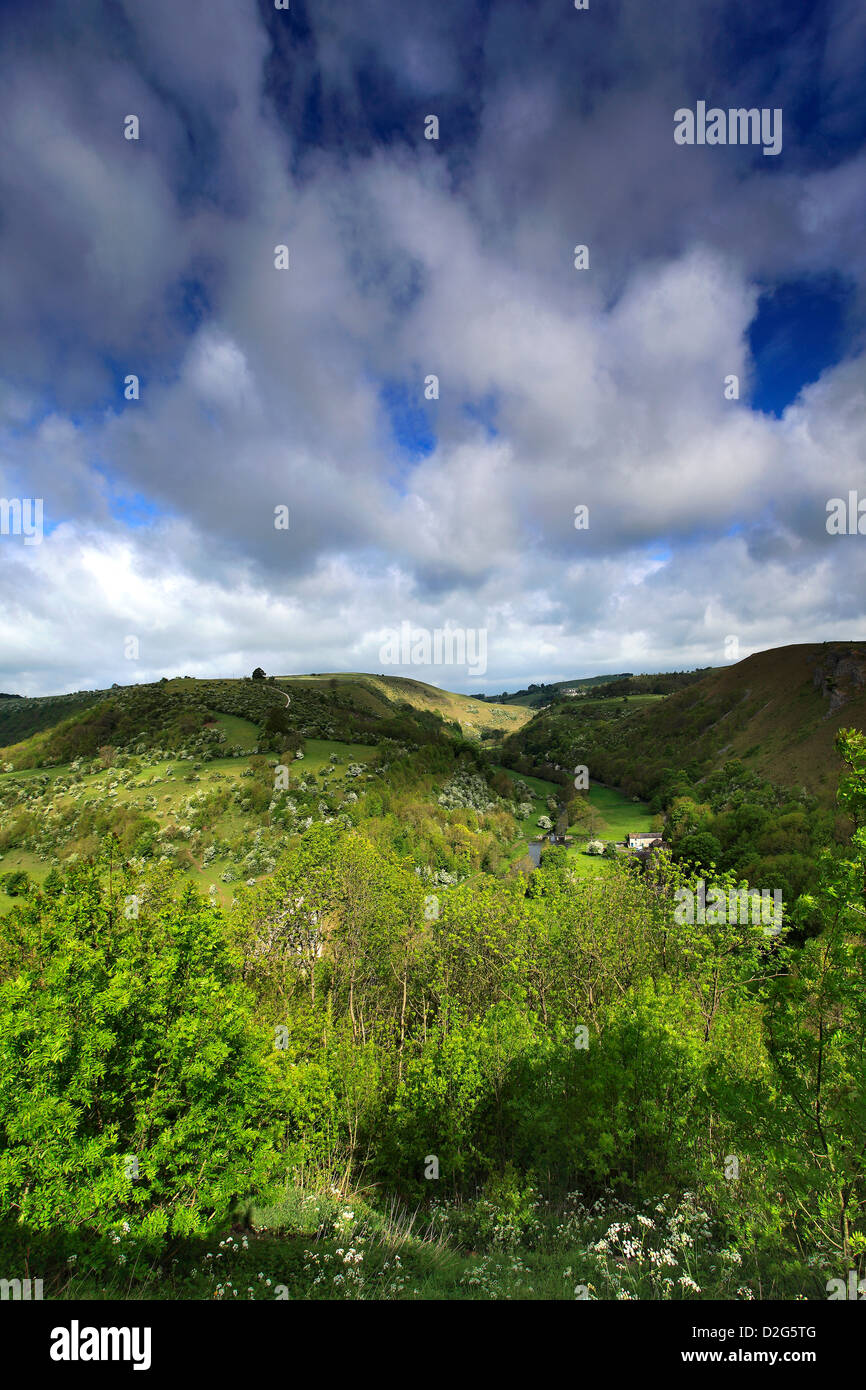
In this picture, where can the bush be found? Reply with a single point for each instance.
(16, 883)
(130, 1087)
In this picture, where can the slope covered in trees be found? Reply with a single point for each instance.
(575, 1048)
(280, 960)
(777, 712)
(741, 763)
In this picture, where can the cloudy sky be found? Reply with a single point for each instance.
(304, 388)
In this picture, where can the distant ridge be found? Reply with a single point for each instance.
(371, 696)
(777, 712)
(535, 694)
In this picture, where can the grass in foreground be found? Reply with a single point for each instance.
(323, 1245)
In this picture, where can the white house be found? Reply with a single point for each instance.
(644, 839)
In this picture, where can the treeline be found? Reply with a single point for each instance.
(664, 683)
(737, 821)
(551, 690)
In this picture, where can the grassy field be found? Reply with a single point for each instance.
(240, 732)
(317, 752)
(20, 859)
(170, 782)
(616, 816)
(587, 865)
(633, 701)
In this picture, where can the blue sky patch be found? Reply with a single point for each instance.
(409, 420)
(799, 330)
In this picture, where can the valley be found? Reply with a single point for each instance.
(345, 948)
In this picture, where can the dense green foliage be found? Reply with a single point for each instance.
(721, 814)
(557, 1039)
(180, 715)
(20, 717)
(129, 1076)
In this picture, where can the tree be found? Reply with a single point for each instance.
(277, 721)
(502, 785)
(143, 1050)
(817, 1123)
(52, 883)
(16, 883)
(258, 674)
(702, 847)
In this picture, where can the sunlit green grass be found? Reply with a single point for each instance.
(620, 816)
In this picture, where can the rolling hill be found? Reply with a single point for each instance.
(182, 771)
(380, 694)
(777, 712)
(352, 698)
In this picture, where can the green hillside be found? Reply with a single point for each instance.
(21, 716)
(281, 941)
(777, 712)
(539, 696)
(184, 772)
(381, 693)
(357, 703)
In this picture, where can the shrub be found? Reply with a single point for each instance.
(130, 1087)
(16, 883)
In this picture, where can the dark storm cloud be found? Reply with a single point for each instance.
(409, 257)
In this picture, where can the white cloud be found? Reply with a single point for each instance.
(407, 257)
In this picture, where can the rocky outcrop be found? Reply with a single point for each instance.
(839, 675)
